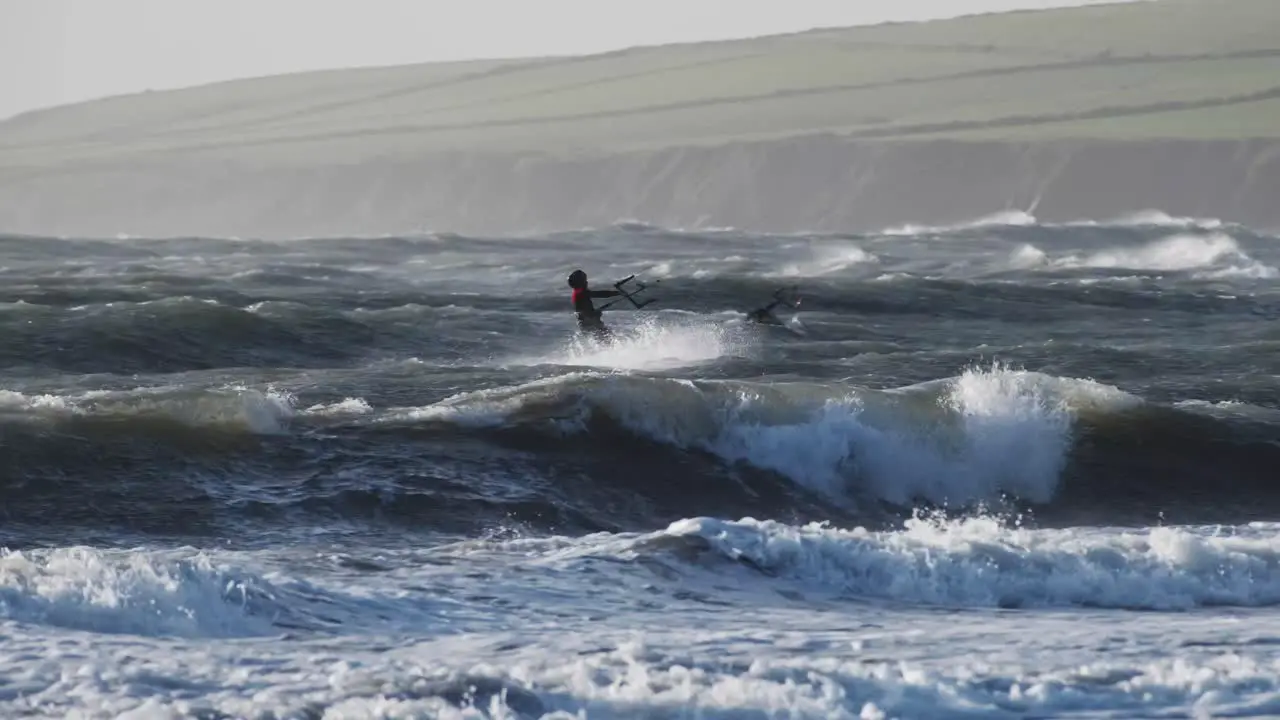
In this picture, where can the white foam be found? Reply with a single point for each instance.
(1249, 269)
(127, 592)
(490, 407)
(1152, 218)
(1218, 254)
(827, 259)
(519, 633)
(1027, 256)
(670, 342)
(971, 438)
(258, 411)
(699, 268)
(988, 432)
(1021, 218)
(343, 408)
(978, 562)
(16, 402)
(1005, 218)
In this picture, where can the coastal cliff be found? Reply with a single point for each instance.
(1087, 113)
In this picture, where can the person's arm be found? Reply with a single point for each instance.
(605, 293)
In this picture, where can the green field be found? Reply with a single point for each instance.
(1170, 69)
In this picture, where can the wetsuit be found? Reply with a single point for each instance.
(588, 315)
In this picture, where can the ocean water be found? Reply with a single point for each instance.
(1004, 469)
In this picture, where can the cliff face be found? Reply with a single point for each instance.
(824, 183)
(818, 183)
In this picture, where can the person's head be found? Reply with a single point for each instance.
(577, 280)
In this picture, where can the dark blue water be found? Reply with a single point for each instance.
(350, 438)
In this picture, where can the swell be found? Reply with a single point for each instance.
(133, 332)
(188, 333)
(183, 462)
(1069, 451)
(1156, 463)
(595, 451)
(590, 452)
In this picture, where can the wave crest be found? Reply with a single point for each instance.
(1177, 253)
(979, 562)
(963, 440)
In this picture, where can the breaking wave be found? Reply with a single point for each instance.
(199, 383)
(192, 594)
(988, 437)
(1022, 218)
(1065, 444)
(982, 562)
(1218, 255)
(958, 441)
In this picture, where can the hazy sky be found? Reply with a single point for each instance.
(59, 51)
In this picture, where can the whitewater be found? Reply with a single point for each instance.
(1002, 469)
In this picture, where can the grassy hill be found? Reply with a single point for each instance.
(1188, 69)
(1075, 113)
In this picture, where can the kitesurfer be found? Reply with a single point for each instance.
(588, 316)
